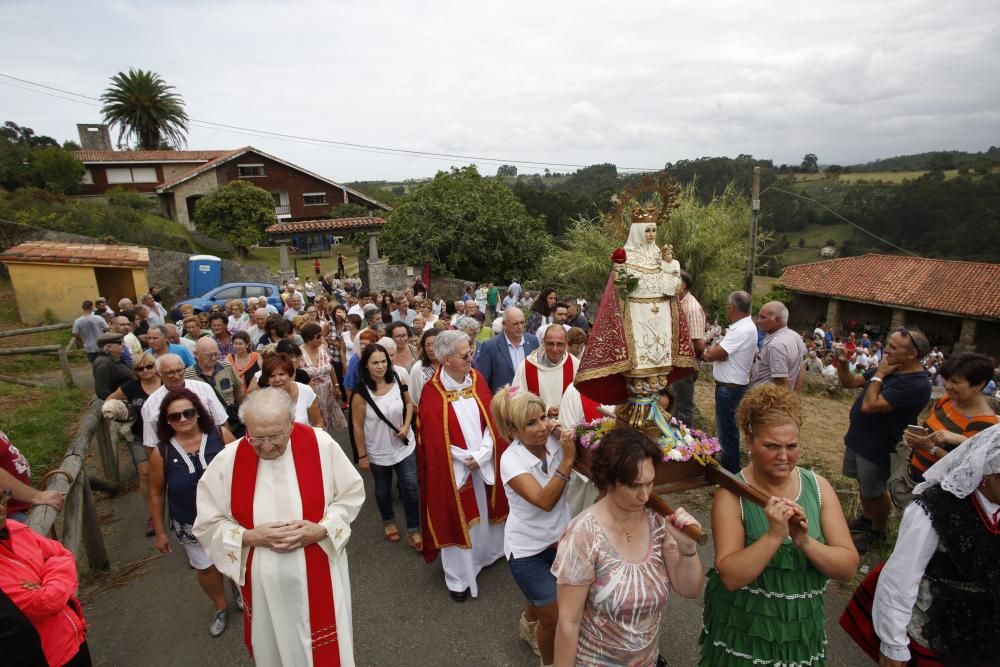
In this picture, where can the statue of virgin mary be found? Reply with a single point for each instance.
(639, 344)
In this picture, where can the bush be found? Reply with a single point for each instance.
(130, 199)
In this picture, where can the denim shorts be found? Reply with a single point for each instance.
(533, 575)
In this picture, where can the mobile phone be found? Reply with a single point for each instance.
(917, 430)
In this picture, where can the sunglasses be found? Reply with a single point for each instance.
(913, 341)
(147, 367)
(173, 417)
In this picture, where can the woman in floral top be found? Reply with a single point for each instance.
(618, 560)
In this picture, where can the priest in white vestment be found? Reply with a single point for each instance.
(274, 513)
(548, 371)
(463, 507)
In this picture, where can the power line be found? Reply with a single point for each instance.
(852, 224)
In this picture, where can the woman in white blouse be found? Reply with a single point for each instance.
(278, 371)
(534, 469)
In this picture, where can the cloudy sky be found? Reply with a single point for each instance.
(637, 83)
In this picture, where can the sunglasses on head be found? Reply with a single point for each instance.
(913, 341)
(173, 417)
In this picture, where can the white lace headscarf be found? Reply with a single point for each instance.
(637, 235)
(963, 469)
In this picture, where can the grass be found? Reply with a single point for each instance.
(25, 364)
(302, 263)
(40, 422)
(815, 237)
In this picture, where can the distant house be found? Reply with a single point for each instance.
(178, 179)
(957, 304)
(828, 252)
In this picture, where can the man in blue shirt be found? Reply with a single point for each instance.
(156, 338)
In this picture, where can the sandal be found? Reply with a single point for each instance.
(391, 533)
(415, 541)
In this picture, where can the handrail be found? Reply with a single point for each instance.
(33, 330)
(80, 522)
(60, 351)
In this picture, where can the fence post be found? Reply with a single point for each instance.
(93, 539)
(66, 370)
(109, 453)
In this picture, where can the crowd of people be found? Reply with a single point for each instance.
(468, 409)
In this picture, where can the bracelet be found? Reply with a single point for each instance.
(693, 553)
(362, 456)
(876, 378)
(561, 476)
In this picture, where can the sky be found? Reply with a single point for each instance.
(558, 83)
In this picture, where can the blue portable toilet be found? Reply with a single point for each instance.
(204, 274)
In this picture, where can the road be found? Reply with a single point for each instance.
(403, 615)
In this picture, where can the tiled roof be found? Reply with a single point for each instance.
(147, 156)
(51, 252)
(336, 224)
(961, 288)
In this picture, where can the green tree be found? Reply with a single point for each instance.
(466, 226)
(238, 212)
(507, 171)
(58, 169)
(709, 241)
(350, 210)
(25, 136)
(810, 163)
(145, 110)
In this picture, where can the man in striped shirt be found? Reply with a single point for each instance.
(695, 316)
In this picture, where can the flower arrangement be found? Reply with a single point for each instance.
(589, 435)
(625, 282)
(679, 443)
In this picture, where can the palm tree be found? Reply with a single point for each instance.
(143, 107)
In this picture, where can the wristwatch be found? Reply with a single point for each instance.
(933, 450)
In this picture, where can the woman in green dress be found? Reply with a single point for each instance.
(764, 598)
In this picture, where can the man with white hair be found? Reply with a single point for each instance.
(157, 313)
(463, 506)
(294, 307)
(550, 370)
(257, 331)
(499, 357)
(220, 375)
(274, 514)
(780, 359)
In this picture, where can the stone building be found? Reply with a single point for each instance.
(957, 304)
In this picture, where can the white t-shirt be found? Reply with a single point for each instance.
(151, 408)
(381, 444)
(306, 398)
(740, 343)
(530, 529)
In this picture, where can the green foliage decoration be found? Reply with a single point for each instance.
(238, 212)
(466, 226)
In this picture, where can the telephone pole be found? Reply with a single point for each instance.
(752, 237)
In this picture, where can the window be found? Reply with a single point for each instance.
(87, 178)
(257, 291)
(227, 294)
(314, 198)
(132, 175)
(250, 170)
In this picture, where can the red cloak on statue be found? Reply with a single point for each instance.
(446, 511)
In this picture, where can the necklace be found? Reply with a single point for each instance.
(628, 534)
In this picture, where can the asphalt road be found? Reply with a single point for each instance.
(403, 615)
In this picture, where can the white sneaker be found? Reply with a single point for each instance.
(529, 633)
(218, 623)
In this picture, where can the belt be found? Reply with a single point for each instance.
(729, 385)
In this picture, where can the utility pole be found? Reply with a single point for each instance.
(752, 238)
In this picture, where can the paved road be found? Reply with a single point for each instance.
(402, 612)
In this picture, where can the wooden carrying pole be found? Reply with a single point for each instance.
(660, 506)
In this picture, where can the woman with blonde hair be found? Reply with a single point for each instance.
(534, 469)
(764, 598)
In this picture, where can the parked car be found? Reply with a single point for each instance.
(242, 291)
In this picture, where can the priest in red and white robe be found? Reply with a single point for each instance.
(274, 513)
(548, 371)
(462, 503)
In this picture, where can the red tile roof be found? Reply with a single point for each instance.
(336, 224)
(51, 252)
(147, 156)
(971, 289)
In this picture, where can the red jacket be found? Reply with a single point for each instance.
(27, 557)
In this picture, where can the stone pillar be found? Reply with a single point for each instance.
(833, 315)
(967, 337)
(286, 264)
(372, 248)
(898, 319)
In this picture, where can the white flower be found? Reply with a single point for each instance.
(675, 454)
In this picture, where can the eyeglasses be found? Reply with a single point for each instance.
(147, 367)
(177, 371)
(209, 355)
(261, 440)
(464, 357)
(173, 417)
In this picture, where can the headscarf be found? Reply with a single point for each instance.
(963, 469)
(637, 235)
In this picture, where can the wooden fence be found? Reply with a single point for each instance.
(80, 525)
(58, 350)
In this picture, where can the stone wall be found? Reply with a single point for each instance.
(167, 269)
(395, 277)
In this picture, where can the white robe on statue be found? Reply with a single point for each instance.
(550, 377)
(461, 566)
(280, 632)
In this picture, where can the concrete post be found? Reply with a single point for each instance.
(833, 315)
(967, 337)
(372, 248)
(286, 265)
(898, 319)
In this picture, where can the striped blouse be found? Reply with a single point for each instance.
(946, 417)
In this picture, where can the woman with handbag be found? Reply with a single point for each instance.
(381, 415)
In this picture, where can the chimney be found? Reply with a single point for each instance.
(94, 137)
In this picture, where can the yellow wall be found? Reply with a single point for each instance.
(60, 288)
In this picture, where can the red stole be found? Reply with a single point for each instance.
(531, 375)
(309, 473)
(591, 409)
(446, 511)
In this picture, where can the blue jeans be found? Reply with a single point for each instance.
(726, 401)
(406, 478)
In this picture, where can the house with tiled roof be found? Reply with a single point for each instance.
(178, 179)
(956, 303)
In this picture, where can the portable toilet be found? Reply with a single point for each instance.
(204, 274)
